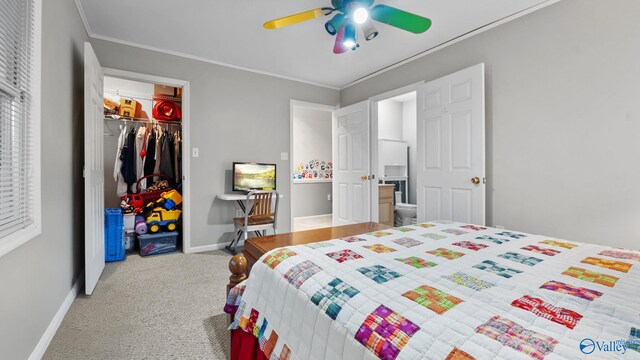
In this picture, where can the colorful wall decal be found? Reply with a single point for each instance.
(314, 170)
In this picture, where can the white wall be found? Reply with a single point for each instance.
(36, 277)
(563, 118)
(397, 121)
(410, 135)
(236, 116)
(311, 135)
(390, 120)
(311, 140)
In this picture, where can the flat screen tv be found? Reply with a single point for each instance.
(253, 176)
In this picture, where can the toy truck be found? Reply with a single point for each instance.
(161, 218)
(168, 201)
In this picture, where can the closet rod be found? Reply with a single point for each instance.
(144, 121)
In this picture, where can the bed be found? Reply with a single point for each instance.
(439, 290)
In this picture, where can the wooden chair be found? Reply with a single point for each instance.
(262, 216)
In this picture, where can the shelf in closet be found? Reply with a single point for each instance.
(141, 121)
(141, 96)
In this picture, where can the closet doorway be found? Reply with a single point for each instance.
(128, 118)
(168, 126)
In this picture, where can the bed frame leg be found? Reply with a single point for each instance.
(238, 268)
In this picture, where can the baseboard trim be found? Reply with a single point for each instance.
(212, 247)
(51, 330)
(312, 216)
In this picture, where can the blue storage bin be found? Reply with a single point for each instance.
(113, 235)
(160, 243)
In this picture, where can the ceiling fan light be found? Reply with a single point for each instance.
(332, 26)
(350, 36)
(370, 31)
(360, 15)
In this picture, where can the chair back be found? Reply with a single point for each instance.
(262, 203)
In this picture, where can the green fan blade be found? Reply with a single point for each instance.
(400, 19)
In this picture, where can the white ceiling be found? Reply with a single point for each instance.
(230, 32)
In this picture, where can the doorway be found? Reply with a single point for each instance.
(397, 143)
(126, 93)
(311, 166)
(445, 173)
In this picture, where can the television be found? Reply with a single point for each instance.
(249, 176)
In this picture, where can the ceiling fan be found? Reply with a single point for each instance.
(351, 14)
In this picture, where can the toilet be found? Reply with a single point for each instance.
(405, 213)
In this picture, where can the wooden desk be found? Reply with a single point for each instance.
(240, 265)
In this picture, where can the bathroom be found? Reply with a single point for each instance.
(397, 154)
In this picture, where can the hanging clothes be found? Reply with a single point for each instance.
(128, 157)
(121, 187)
(177, 169)
(172, 152)
(150, 158)
(166, 168)
(156, 167)
(139, 158)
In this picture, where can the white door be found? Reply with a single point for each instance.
(451, 148)
(351, 165)
(93, 169)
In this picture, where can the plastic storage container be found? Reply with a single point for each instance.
(129, 221)
(113, 235)
(161, 243)
(129, 241)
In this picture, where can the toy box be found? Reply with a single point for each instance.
(113, 235)
(154, 244)
(129, 241)
(130, 108)
(129, 221)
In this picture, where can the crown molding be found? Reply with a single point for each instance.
(445, 44)
(465, 36)
(83, 16)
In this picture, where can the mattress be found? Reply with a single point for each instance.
(443, 290)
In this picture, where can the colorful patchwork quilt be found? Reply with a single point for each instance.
(443, 290)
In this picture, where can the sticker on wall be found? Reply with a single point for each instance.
(314, 170)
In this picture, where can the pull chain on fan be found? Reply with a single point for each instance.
(353, 14)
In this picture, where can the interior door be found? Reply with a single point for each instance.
(93, 169)
(451, 148)
(351, 165)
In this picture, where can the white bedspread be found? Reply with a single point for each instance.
(444, 290)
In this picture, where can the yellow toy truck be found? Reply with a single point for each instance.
(160, 218)
(162, 213)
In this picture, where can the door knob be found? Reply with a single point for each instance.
(475, 180)
(363, 177)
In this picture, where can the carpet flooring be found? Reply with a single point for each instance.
(158, 307)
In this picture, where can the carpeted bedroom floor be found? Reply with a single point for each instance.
(159, 307)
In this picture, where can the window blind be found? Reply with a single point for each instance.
(16, 118)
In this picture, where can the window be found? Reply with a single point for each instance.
(19, 122)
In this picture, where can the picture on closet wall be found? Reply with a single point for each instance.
(314, 170)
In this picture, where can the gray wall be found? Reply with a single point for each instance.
(563, 118)
(36, 277)
(311, 140)
(235, 116)
(311, 199)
